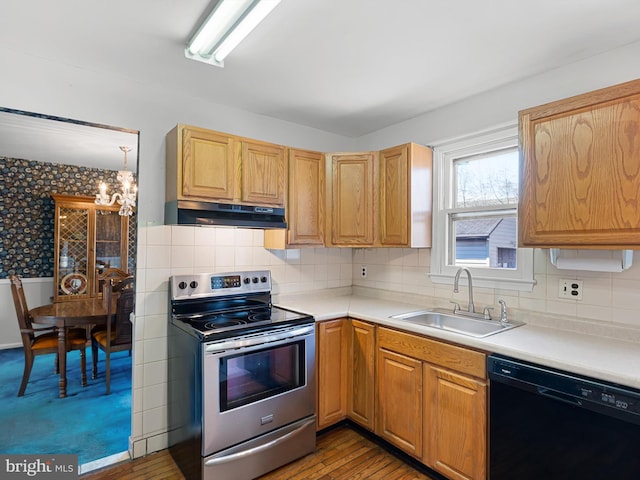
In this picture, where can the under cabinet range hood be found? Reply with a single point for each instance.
(184, 212)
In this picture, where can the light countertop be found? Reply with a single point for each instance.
(596, 356)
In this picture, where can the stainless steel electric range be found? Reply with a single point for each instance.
(241, 377)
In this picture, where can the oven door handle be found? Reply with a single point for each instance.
(258, 449)
(258, 339)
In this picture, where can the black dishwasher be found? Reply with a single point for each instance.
(549, 424)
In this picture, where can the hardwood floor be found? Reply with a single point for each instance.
(342, 453)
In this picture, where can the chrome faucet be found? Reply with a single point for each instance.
(503, 312)
(471, 307)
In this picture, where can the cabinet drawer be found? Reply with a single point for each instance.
(460, 359)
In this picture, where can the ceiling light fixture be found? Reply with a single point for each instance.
(127, 198)
(225, 27)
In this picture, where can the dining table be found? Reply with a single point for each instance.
(72, 313)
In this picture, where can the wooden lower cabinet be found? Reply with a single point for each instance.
(361, 373)
(400, 401)
(331, 361)
(455, 424)
(424, 396)
(441, 390)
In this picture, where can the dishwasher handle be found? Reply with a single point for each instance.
(562, 397)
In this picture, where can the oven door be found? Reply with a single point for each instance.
(253, 385)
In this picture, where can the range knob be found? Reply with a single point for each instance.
(263, 279)
(182, 285)
(193, 284)
(254, 279)
(246, 280)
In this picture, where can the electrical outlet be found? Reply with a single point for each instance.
(570, 289)
(363, 271)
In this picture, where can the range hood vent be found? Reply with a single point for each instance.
(222, 214)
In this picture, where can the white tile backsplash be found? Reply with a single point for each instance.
(154, 421)
(158, 256)
(182, 256)
(182, 235)
(226, 237)
(205, 236)
(155, 373)
(607, 298)
(154, 396)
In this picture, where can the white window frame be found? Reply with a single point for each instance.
(520, 278)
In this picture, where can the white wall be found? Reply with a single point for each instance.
(501, 105)
(37, 291)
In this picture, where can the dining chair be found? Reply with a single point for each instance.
(40, 341)
(116, 335)
(104, 276)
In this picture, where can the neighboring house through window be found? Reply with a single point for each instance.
(476, 183)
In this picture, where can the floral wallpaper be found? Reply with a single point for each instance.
(27, 211)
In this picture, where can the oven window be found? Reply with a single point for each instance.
(249, 377)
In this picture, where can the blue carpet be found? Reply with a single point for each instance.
(87, 422)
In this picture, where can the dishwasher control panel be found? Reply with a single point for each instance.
(608, 396)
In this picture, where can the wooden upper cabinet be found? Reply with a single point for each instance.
(580, 171)
(405, 196)
(203, 165)
(305, 203)
(381, 199)
(351, 194)
(264, 171)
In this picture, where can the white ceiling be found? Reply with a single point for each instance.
(344, 66)
(59, 141)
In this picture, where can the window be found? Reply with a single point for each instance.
(476, 211)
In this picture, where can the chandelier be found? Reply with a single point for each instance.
(127, 198)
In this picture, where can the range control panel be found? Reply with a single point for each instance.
(218, 284)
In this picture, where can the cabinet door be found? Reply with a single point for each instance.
(111, 240)
(361, 374)
(305, 203)
(73, 251)
(580, 172)
(263, 174)
(209, 165)
(352, 198)
(394, 196)
(111, 243)
(406, 202)
(332, 372)
(306, 198)
(399, 407)
(455, 430)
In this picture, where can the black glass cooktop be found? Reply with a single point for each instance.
(224, 323)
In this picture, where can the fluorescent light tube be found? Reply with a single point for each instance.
(227, 25)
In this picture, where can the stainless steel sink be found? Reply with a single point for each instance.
(445, 320)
